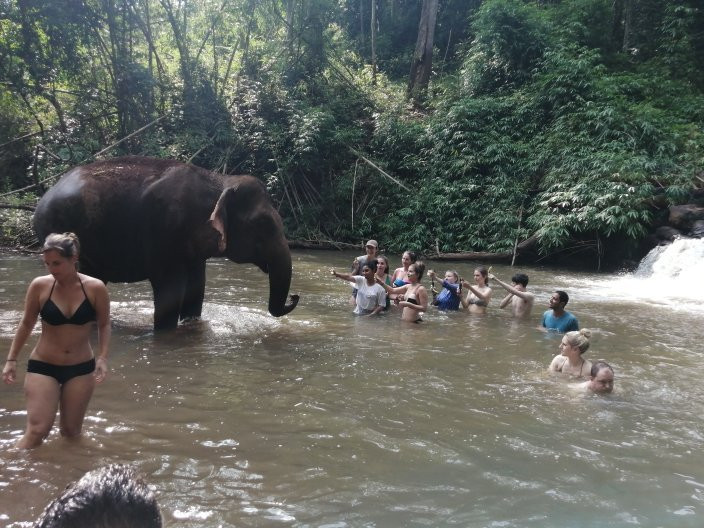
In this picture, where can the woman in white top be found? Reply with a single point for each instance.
(370, 298)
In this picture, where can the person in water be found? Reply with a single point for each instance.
(601, 379)
(372, 248)
(570, 361)
(449, 296)
(557, 318)
(478, 296)
(400, 275)
(62, 370)
(412, 297)
(382, 271)
(520, 299)
(370, 298)
(113, 496)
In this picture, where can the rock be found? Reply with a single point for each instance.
(684, 216)
(697, 230)
(667, 233)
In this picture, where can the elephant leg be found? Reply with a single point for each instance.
(168, 297)
(195, 291)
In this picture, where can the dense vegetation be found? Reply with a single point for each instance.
(571, 120)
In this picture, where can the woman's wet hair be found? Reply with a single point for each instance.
(65, 243)
(484, 273)
(598, 366)
(520, 278)
(371, 264)
(579, 339)
(411, 255)
(386, 261)
(419, 268)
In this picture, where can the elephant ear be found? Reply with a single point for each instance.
(218, 218)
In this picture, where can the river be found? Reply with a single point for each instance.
(323, 419)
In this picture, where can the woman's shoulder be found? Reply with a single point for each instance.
(41, 281)
(91, 282)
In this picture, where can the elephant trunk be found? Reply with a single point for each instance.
(279, 269)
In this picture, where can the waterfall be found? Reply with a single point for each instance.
(670, 276)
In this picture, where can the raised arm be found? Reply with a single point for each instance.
(389, 289)
(344, 276)
(518, 293)
(483, 296)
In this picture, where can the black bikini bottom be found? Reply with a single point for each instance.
(61, 373)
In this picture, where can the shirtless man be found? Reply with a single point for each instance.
(520, 299)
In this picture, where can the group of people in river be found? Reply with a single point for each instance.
(62, 369)
(375, 288)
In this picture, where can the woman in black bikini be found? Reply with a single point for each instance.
(412, 297)
(479, 295)
(62, 371)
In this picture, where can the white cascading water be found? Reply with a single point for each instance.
(671, 276)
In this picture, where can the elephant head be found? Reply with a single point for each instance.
(250, 230)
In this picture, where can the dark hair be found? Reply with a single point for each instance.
(484, 272)
(520, 278)
(564, 298)
(420, 269)
(371, 264)
(412, 255)
(113, 496)
(600, 365)
(65, 243)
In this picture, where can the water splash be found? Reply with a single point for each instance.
(670, 276)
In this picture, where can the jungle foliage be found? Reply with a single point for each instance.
(564, 119)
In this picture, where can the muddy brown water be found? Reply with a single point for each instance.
(324, 419)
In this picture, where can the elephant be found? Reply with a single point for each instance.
(140, 218)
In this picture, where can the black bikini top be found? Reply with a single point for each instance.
(51, 314)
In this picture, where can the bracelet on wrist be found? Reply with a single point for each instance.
(10, 360)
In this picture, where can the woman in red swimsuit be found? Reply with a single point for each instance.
(62, 370)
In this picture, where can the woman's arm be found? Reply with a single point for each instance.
(483, 296)
(389, 289)
(102, 308)
(24, 329)
(421, 297)
(556, 364)
(344, 276)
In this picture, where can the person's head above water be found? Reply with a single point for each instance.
(578, 339)
(416, 269)
(113, 496)
(520, 278)
(66, 244)
(602, 378)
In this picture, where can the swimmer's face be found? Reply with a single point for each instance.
(603, 382)
(406, 260)
(57, 264)
(412, 275)
(478, 277)
(381, 266)
(554, 300)
(518, 286)
(450, 277)
(565, 346)
(367, 272)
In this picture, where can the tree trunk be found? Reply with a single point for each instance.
(628, 16)
(422, 62)
(373, 34)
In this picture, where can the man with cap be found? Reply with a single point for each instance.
(372, 248)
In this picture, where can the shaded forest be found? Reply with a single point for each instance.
(437, 125)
